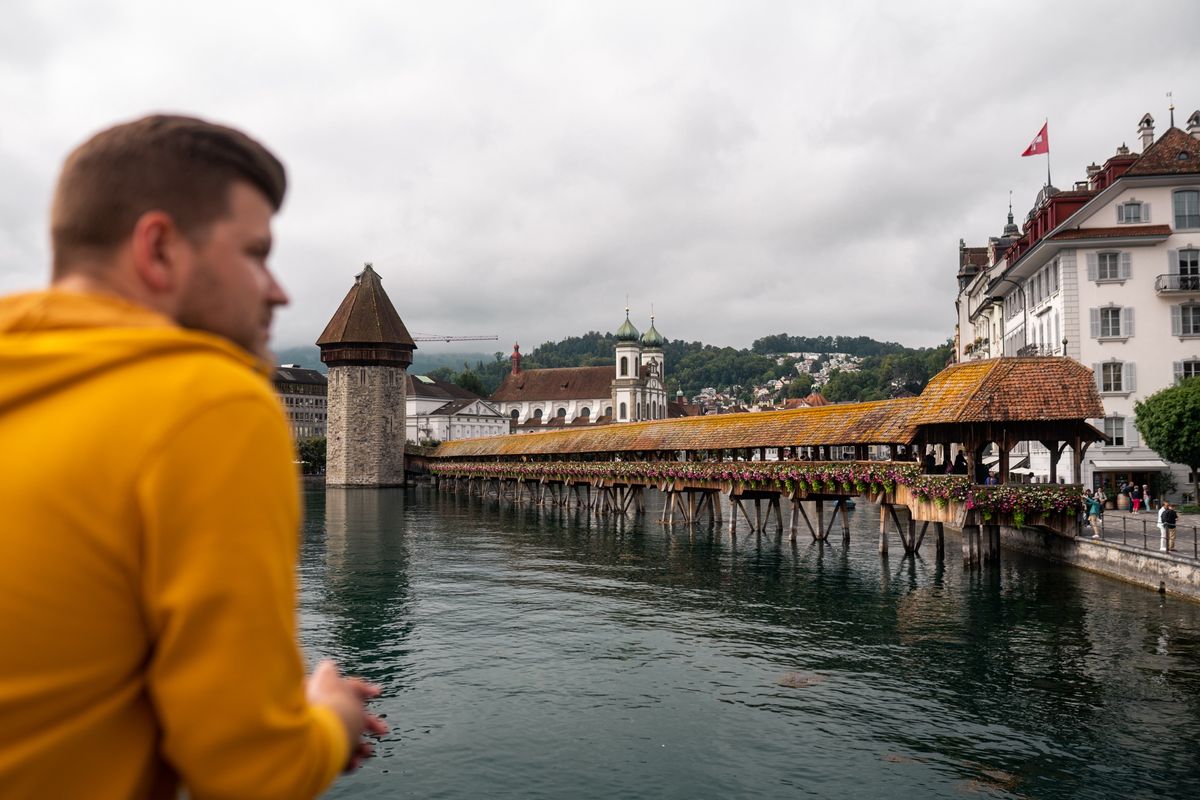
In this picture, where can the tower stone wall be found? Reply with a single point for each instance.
(366, 426)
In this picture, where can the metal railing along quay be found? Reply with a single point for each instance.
(1141, 531)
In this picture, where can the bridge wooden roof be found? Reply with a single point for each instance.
(1040, 391)
(1032, 389)
(881, 422)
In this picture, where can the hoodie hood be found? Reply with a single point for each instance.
(52, 339)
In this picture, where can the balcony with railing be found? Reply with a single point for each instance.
(1035, 349)
(1174, 283)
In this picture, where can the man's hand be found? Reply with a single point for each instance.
(347, 697)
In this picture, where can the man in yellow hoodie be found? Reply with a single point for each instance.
(150, 503)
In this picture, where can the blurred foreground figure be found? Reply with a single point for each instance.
(150, 503)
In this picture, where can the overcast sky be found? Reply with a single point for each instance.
(520, 168)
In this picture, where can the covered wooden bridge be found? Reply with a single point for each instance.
(894, 452)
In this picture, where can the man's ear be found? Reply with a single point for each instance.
(159, 252)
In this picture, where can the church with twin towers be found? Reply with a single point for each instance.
(368, 350)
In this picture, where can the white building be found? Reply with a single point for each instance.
(1107, 273)
(437, 410)
(630, 390)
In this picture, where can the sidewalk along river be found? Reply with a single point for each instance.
(541, 653)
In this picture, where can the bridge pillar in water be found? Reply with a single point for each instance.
(991, 544)
(971, 545)
(883, 523)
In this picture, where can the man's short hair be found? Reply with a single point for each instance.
(179, 165)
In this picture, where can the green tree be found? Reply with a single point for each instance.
(801, 386)
(1169, 421)
(311, 453)
(470, 381)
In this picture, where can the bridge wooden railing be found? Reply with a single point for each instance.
(950, 499)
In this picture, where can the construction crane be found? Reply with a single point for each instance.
(435, 337)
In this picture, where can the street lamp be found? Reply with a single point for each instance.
(1025, 312)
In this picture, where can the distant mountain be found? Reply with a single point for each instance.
(424, 361)
(307, 356)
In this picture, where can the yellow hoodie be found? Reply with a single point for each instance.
(147, 564)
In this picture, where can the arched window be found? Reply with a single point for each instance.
(624, 413)
(608, 411)
(585, 412)
(562, 412)
(515, 414)
(537, 413)
(624, 366)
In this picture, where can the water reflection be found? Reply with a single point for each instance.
(542, 652)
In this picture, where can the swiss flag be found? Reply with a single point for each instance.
(1040, 143)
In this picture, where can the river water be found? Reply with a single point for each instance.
(540, 653)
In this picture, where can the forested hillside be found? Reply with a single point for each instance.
(887, 369)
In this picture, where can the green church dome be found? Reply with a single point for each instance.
(627, 333)
(652, 338)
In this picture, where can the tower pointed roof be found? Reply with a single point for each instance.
(366, 329)
(627, 333)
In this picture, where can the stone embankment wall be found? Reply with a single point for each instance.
(1164, 572)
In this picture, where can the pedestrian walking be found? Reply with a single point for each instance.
(1169, 519)
(1135, 496)
(1162, 530)
(1095, 515)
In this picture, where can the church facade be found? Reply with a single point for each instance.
(630, 390)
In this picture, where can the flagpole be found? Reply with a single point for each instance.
(1046, 126)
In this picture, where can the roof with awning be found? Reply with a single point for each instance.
(1131, 465)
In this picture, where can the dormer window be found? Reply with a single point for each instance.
(1133, 212)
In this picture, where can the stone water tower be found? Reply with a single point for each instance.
(367, 349)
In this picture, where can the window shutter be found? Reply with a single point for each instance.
(1178, 371)
(1093, 262)
(1127, 321)
(1145, 212)
(1176, 320)
(1173, 262)
(1128, 379)
(1131, 433)
(1098, 373)
(1120, 212)
(1126, 264)
(1094, 313)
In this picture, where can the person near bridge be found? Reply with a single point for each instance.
(148, 585)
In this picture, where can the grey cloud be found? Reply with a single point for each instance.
(520, 168)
